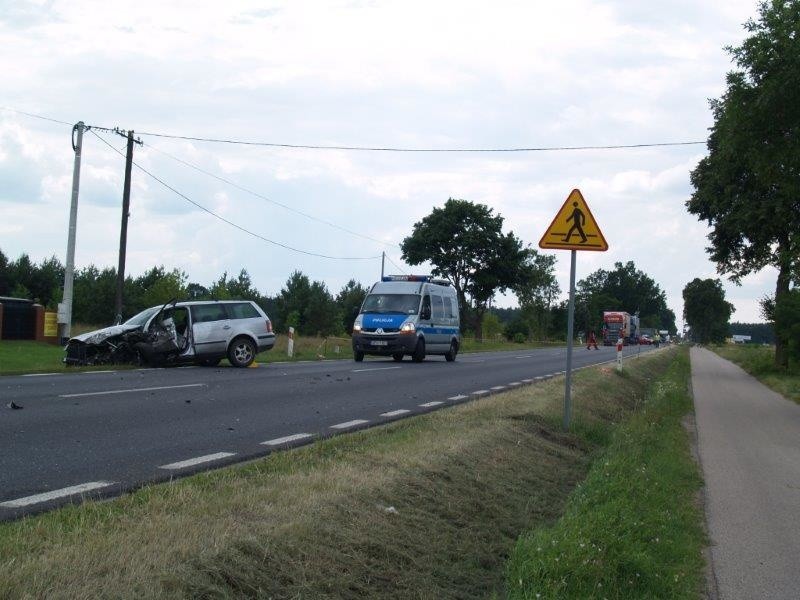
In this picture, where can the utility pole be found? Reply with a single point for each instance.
(123, 232)
(65, 307)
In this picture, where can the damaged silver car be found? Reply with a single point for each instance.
(202, 332)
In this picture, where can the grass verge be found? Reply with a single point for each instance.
(427, 507)
(759, 361)
(632, 529)
(19, 357)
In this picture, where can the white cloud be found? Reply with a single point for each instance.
(413, 74)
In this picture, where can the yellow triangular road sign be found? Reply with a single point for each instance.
(574, 228)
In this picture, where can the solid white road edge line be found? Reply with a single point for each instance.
(38, 374)
(62, 493)
(129, 391)
(197, 461)
(395, 413)
(348, 424)
(287, 439)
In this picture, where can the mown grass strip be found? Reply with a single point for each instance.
(759, 361)
(633, 529)
(427, 507)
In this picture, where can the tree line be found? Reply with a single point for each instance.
(312, 309)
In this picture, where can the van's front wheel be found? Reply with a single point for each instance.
(419, 352)
(450, 355)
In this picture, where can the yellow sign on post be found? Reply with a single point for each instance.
(574, 228)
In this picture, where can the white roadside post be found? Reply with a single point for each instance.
(290, 345)
(619, 355)
(573, 220)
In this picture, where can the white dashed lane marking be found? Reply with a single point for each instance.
(395, 413)
(497, 388)
(132, 390)
(197, 461)
(431, 404)
(514, 383)
(349, 424)
(55, 494)
(39, 374)
(480, 392)
(459, 397)
(287, 439)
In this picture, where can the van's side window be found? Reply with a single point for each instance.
(243, 310)
(453, 308)
(438, 307)
(426, 304)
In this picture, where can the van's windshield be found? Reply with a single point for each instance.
(407, 304)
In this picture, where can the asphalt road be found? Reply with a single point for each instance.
(103, 433)
(748, 444)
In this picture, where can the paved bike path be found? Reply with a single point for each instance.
(749, 446)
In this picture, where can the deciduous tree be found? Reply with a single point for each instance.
(706, 311)
(465, 243)
(748, 187)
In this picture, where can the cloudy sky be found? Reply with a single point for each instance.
(366, 73)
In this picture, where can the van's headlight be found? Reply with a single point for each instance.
(407, 327)
(356, 327)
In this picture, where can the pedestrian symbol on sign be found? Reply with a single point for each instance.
(578, 219)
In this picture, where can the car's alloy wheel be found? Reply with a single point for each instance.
(242, 352)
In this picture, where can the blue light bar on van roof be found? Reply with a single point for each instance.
(418, 278)
(423, 278)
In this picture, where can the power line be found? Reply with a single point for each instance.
(262, 197)
(35, 116)
(231, 223)
(396, 149)
(395, 265)
(378, 148)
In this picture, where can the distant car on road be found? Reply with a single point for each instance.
(202, 332)
(645, 340)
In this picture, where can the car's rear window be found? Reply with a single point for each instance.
(245, 310)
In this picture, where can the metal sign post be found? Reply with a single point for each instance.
(574, 219)
(570, 331)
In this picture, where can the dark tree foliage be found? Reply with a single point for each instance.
(308, 307)
(5, 276)
(624, 288)
(760, 333)
(748, 187)
(706, 311)
(465, 243)
(349, 301)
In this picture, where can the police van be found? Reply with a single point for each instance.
(408, 314)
